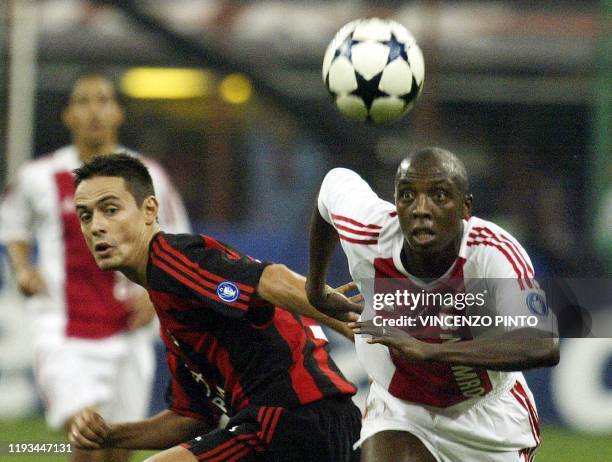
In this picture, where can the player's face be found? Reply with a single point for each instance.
(116, 229)
(93, 115)
(430, 208)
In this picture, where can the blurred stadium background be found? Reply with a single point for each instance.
(521, 90)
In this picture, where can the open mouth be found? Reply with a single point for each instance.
(102, 248)
(423, 235)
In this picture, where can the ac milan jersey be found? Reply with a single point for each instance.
(39, 206)
(372, 240)
(225, 342)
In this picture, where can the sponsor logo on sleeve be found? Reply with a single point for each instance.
(537, 304)
(228, 292)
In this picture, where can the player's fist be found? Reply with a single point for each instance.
(400, 342)
(88, 430)
(334, 302)
(29, 281)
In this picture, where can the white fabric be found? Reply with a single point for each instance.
(114, 373)
(493, 430)
(348, 203)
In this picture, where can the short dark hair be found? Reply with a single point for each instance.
(136, 176)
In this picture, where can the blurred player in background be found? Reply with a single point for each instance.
(92, 344)
(231, 350)
(449, 398)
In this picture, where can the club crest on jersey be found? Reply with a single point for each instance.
(228, 291)
(537, 304)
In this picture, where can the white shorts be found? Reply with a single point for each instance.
(502, 428)
(113, 374)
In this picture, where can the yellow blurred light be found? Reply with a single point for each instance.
(236, 89)
(165, 83)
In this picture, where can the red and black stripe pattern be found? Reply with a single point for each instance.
(277, 363)
(197, 270)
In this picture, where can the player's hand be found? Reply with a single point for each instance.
(141, 312)
(88, 430)
(336, 304)
(29, 281)
(402, 343)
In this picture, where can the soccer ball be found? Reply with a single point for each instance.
(374, 70)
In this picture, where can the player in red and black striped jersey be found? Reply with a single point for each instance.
(231, 348)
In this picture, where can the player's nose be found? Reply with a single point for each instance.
(98, 224)
(421, 208)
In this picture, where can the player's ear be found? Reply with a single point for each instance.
(150, 208)
(468, 203)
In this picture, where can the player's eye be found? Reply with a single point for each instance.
(440, 195)
(111, 210)
(84, 217)
(406, 195)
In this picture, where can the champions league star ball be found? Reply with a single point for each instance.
(374, 70)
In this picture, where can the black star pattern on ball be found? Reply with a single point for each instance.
(413, 93)
(368, 90)
(396, 49)
(346, 47)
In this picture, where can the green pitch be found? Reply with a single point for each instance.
(559, 445)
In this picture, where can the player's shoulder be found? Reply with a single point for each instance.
(351, 201)
(51, 161)
(155, 167)
(36, 172)
(345, 179)
(492, 247)
(341, 173)
(484, 231)
(177, 243)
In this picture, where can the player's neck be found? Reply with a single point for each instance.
(427, 266)
(88, 151)
(136, 271)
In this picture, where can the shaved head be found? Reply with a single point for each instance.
(434, 160)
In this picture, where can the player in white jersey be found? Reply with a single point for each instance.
(93, 344)
(438, 393)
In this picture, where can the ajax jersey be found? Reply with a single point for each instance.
(39, 206)
(491, 266)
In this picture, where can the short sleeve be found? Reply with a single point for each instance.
(205, 271)
(514, 290)
(16, 211)
(190, 394)
(345, 199)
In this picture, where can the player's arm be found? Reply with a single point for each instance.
(285, 288)
(338, 183)
(162, 431)
(323, 242)
(512, 351)
(16, 224)
(28, 279)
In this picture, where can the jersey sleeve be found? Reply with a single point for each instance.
(513, 288)
(207, 272)
(16, 211)
(348, 203)
(189, 394)
(172, 214)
